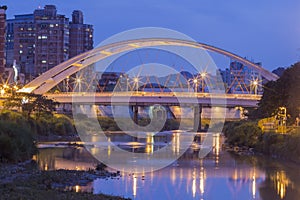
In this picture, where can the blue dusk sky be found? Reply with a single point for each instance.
(265, 31)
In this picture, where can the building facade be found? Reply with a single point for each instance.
(81, 35)
(51, 39)
(2, 38)
(241, 79)
(42, 40)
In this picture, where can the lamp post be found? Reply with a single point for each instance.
(203, 76)
(78, 81)
(136, 82)
(195, 81)
(254, 85)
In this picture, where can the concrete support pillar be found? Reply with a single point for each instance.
(197, 118)
(135, 110)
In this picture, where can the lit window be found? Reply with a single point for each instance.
(91, 36)
(51, 25)
(87, 29)
(56, 24)
(44, 37)
(21, 51)
(44, 61)
(39, 37)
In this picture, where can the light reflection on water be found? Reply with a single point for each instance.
(219, 175)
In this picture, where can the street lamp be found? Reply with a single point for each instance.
(255, 84)
(203, 76)
(136, 82)
(78, 81)
(195, 84)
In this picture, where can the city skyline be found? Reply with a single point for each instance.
(260, 31)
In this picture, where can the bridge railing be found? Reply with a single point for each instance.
(159, 94)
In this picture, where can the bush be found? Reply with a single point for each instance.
(243, 134)
(16, 142)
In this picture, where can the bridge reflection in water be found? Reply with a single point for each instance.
(218, 176)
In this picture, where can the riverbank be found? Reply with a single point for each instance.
(245, 137)
(26, 181)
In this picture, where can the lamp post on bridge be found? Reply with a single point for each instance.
(136, 82)
(254, 85)
(203, 76)
(195, 81)
(78, 81)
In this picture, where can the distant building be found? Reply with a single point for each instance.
(2, 38)
(42, 40)
(241, 79)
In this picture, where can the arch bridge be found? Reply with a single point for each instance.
(56, 75)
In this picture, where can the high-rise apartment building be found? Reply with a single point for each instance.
(20, 42)
(81, 35)
(2, 38)
(45, 38)
(51, 39)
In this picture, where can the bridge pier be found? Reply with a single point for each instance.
(197, 117)
(135, 110)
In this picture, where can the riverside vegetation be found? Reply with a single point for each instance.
(247, 134)
(284, 92)
(20, 178)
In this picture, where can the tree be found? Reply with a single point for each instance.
(283, 92)
(30, 103)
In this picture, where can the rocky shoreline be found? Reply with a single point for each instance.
(26, 181)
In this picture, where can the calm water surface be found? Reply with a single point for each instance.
(220, 175)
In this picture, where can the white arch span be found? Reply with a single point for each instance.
(55, 75)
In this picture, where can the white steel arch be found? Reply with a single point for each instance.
(55, 75)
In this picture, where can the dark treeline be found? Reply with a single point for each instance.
(246, 133)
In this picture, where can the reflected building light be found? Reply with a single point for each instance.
(281, 183)
(149, 144)
(216, 146)
(134, 186)
(181, 174)
(176, 143)
(173, 176)
(152, 175)
(202, 181)
(194, 187)
(253, 186)
(109, 147)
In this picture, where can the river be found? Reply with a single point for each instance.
(219, 175)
